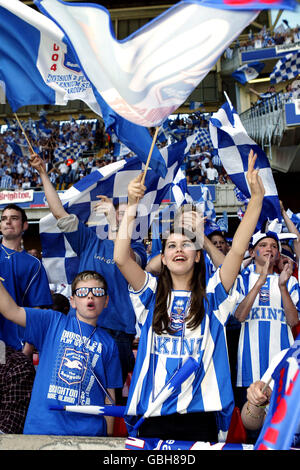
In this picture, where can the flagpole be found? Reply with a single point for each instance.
(28, 142)
(150, 153)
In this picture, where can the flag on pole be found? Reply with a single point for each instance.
(286, 68)
(148, 75)
(60, 261)
(248, 72)
(233, 144)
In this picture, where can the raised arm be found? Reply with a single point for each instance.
(53, 200)
(10, 309)
(233, 260)
(130, 269)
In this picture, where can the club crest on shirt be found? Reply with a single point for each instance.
(177, 314)
(73, 366)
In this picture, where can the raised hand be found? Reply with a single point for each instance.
(37, 163)
(136, 190)
(254, 180)
(105, 206)
(285, 274)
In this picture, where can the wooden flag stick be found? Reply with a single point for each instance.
(149, 155)
(266, 385)
(22, 129)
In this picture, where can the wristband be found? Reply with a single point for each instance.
(253, 415)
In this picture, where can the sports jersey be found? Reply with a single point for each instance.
(26, 281)
(98, 255)
(160, 356)
(265, 331)
(68, 351)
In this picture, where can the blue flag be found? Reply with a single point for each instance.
(248, 72)
(37, 66)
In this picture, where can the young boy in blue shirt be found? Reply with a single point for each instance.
(78, 361)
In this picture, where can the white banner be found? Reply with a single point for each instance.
(7, 197)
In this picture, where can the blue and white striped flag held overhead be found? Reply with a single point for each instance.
(248, 72)
(60, 261)
(148, 75)
(286, 68)
(233, 144)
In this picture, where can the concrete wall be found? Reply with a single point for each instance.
(25, 442)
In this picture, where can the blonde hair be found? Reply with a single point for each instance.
(86, 276)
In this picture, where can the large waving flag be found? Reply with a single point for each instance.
(37, 66)
(148, 75)
(59, 259)
(286, 68)
(283, 419)
(248, 72)
(233, 144)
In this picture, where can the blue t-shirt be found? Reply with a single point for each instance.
(64, 373)
(98, 255)
(26, 281)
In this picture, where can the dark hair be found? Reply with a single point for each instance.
(60, 303)
(216, 232)
(18, 209)
(161, 322)
(85, 276)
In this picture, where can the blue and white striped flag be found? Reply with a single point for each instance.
(230, 139)
(148, 75)
(248, 72)
(286, 68)
(59, 259)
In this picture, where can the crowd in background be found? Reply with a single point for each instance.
(72, 149)
(282, 35)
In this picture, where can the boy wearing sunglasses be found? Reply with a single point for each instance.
(78, 361)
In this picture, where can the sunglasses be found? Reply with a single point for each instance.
(84, 291)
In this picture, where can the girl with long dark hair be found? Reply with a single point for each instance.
(180, 317)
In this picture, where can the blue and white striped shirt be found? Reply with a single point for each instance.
(265, 331)
(160, 356)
